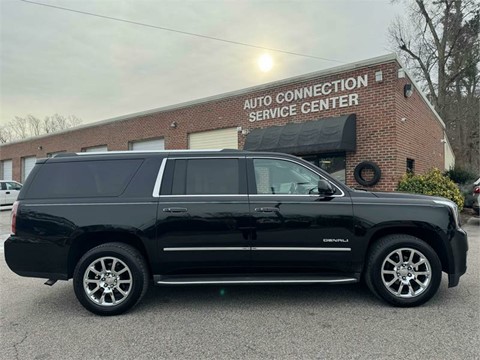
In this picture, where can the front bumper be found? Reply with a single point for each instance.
(459, 245)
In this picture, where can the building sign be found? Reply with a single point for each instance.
(314, 98)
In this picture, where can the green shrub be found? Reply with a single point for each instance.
(432, 183)
(461, 176)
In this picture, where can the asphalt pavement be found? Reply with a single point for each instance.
(241, 322)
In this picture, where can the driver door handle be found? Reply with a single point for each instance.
(267, 209)
(175, 210)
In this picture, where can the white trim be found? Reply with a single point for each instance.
(93, 204)
(287, 248)
(202, 195)
(255, 248)
(207, 248)
(158, 182)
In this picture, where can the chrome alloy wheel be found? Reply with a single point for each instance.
(107, 281)
(406, 273)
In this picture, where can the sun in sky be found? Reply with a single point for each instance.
(265, 63)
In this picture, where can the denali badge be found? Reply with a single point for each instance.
(336, 240)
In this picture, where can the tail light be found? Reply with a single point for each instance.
(476, 190)
(14, 217)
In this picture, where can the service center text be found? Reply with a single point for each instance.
(282, 101)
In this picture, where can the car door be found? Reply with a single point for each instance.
(203, 221)
(295, 229)
(12, 191)
(3, 191)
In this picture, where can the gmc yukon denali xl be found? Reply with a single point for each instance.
(115, 221)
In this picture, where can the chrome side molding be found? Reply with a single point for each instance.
(260, 281)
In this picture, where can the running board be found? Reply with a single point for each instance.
(232, 280)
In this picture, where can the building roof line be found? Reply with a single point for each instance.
(324, 72)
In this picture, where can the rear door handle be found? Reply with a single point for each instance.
(175, 210)
(267, 209)
(8, 192)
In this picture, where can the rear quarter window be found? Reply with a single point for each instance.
(99, 178)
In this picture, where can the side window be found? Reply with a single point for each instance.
(96, 178)
(13, 186)
(206, 177)
(274, 176)
(3, 186)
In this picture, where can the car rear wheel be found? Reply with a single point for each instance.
(110, 279)
(403, 270)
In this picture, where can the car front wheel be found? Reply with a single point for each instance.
(403, 270)
(110, 279)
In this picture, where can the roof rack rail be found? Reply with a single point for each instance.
(64, 154)
(233, 150)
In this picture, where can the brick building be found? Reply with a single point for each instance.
(336, 118)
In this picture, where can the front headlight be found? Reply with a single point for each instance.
(452, 206)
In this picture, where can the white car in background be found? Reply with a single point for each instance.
(9, 190)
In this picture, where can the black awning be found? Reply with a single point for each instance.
(324, 135)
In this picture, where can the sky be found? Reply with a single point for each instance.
(54, 61)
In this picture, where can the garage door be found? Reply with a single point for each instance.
(214, 139)
(6, 170)
(152, 144)
(100, 148)
(27, 165)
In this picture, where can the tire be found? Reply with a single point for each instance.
(111, 291)
(377, 173)
(407, 283)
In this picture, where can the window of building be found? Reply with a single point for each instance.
(206, 177)
(83, 179)
(410, 166)
(6, 170)
(28, 163)
(214, 139)
(147, 145)
(283, 177)
(99, 148)
(334, 164)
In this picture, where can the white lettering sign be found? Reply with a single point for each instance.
(304, 95)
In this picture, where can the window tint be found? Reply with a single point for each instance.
(83, 178)
(206, 177)
(284, 177)
(178, 184)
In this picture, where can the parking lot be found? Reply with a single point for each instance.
(250, 322)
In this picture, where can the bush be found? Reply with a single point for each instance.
(461, 176)
(432, 183)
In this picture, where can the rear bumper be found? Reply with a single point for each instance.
(459, 245)
(35, 258)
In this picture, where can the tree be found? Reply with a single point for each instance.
(5, 134)
(440, 43)
(20, 128)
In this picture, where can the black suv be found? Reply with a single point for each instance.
(114, 221)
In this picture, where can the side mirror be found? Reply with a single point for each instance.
(325, 188)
